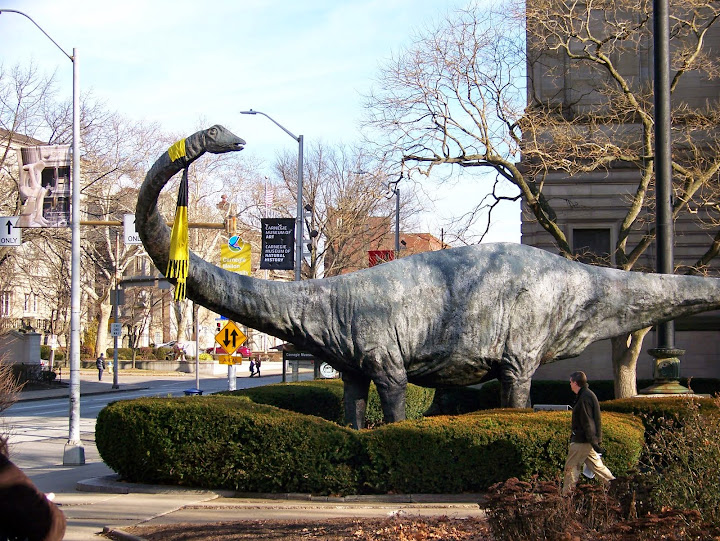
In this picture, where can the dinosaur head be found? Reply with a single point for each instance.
(219, 140)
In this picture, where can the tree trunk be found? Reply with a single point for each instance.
(185, 309)
(103, 323)
(625, 352)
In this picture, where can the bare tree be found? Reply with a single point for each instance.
(458, 96)
(347, 206)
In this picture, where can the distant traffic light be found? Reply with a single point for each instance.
(231, 225)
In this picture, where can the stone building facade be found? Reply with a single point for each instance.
(591, 206)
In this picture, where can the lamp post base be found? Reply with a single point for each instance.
(74, 454)
(666, 374)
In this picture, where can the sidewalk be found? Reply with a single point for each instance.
(88, 386)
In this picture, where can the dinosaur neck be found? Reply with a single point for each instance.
(261, 304)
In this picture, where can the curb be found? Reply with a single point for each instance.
(112, 484)
(121, 534)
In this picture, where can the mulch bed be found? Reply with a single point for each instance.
(357, 529)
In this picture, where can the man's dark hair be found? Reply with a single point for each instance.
(579, 378)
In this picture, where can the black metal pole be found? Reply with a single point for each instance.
(397, 222)
(667, 363)
(663, 157)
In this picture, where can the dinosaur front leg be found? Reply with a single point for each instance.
(515, 380)
(356, 387)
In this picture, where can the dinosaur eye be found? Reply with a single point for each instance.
(213, 131)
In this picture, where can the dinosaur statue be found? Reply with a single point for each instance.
(446, 318)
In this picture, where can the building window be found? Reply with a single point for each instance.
(592, 245)
(5, 302)
(30, 303)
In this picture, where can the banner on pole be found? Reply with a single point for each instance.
(235, 256)
(278, 242)
(44, 185)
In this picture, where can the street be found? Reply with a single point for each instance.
(29, 423)
(38, 429)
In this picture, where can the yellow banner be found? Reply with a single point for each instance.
(235, 256)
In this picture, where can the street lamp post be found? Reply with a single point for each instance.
(299, 218)
(395, 190)
(74, 453)
(666, 373)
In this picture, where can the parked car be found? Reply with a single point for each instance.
(217, 350)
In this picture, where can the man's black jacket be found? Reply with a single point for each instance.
(586, 423)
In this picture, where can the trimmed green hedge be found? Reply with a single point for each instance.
(472, 452)
(229, 442)
(226, 442)
(455, 401)
(324, 398)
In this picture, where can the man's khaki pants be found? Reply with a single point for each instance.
(579, 454)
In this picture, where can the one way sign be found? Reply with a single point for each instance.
(10, 234)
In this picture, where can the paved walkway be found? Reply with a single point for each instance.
(93, 500)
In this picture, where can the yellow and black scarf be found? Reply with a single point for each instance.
(179, 256)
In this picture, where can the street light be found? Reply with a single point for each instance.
(666, 372)
(299, 218)
(394, 190)
(74, 453)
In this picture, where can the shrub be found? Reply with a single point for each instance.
(320, 398)
(145, 353)
(417, 401)
(25, 373)
(124, 354)
(454, 401)
(472, 452)
(519, 510)
(656, 412)
(227, 442)
(48, 376)
(533, 510)
(683, 461)
(10, 386)
(162, 354)
(324, 398)
(232, 442)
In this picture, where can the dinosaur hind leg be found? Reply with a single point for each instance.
(355, 395)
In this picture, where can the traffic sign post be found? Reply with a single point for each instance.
(230, 338)
(10, 234)
(130, 234)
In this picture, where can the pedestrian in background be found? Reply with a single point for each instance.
(252, 367)
(100, 364)
(586, 437)
(257, 366)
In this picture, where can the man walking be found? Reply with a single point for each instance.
(100, 364)
(586, 438)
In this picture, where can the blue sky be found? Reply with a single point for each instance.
(187, 63)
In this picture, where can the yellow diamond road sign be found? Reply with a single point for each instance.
(230, 338)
